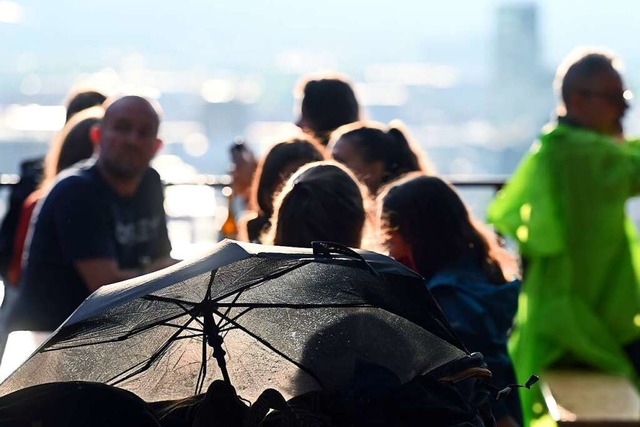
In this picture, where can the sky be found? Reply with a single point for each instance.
(251, 36)
(244, 32)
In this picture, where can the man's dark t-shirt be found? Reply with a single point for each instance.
(83, 218)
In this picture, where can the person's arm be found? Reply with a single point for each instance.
(244, 167)
(102, 271)
(159, 264)
(161, 257)
(82, 218)
(632, 151)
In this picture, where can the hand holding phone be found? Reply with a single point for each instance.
(243, 168)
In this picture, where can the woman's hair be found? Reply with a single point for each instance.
(389, 144)
(322, 201)
(328, 101)
(280, 162)
(72, 144)
(81, 100)
(430, 216)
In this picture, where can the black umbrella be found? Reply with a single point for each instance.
(255, 316)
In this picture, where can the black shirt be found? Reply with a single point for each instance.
(83, 218)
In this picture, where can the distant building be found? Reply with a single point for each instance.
(517, 46)
(520, 87)
(520, 96)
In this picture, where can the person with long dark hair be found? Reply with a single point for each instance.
(427, 227)
(277, 165)
(377, 153)
(72, 145)
(322, 201)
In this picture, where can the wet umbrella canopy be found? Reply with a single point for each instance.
(257, 316)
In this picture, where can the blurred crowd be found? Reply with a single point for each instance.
(91, 213)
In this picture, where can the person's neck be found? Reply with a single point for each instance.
(123, 187)
(570, 120)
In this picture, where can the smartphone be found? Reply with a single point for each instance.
(239, 150)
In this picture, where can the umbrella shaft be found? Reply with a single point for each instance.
(214, 340)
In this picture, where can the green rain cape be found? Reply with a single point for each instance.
(565, 205)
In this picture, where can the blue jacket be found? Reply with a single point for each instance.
(482, 313)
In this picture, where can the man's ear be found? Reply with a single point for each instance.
(95, 134)
(575, 101)
(159, 145)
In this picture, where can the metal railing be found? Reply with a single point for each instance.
(495, 182)
(190, 228)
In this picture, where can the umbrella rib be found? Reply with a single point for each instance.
(243, 275)
(190, 312)
(163, 322)
(226, 313)
(226, 329)
(127, 335)
(263, 279)
(202, 373)
(294, 306)
(166, 299)
(251, 307)
(238, 292)
(248, 306)
(179, 303)
(196, 330)
(143, 366)
(269, 346)
(183, 337)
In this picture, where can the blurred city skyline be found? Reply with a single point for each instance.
(347, 33)
(472, 79)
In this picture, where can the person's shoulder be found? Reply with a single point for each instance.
(151, 178)
(152, 174)
(457, 294)
(77, 180)
(459, 274)
(577, 136)
(471, 288)
(470, 278)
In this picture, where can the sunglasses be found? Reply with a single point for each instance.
(614, 97)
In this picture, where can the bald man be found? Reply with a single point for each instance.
(101, 223)
(565, 205)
